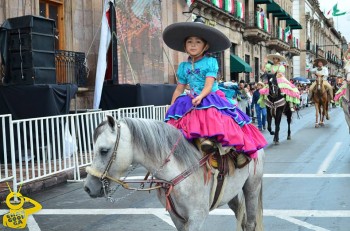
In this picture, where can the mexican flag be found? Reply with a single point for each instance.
(258, 20)
(266, 24)
(280, 33)
(336, 12)
(218, 3)
(240, 10)
(189, 2)
(230, 6)
(287, 33)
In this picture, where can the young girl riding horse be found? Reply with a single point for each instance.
(205, 115)
(287, 88)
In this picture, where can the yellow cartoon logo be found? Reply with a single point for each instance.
(17, 217)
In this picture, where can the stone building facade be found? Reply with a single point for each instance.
(318, 38)
(142, 56)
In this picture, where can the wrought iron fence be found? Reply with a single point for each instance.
(70, 67)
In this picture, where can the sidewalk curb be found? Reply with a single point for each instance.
(45, 183)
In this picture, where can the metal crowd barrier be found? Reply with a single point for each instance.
(41, 147)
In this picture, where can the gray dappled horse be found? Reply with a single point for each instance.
(165, 153)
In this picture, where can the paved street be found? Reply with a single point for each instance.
(306, 187)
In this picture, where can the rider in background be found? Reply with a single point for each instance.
(288, 89)
(321, 71)
(340, 93)
(205, 116)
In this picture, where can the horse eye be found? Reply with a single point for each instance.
(104, 151)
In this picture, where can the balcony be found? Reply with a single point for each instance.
(294, 51)
(277, 40)
(257, 28)
(70, 67)
(320, 52)
(233, 13)
(294, 47)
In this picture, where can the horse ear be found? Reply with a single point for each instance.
(111, 121)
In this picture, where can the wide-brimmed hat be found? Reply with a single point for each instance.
(260, 83)
(175, 34)
(320, 60)
(277, 55)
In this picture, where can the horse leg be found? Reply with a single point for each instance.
(269, 121)
(317, 112)
(277, 127)
(237, 204)
(252, 190)
(289, 120)
(326, 110)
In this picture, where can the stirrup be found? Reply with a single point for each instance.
(242, 160)
(207, 146)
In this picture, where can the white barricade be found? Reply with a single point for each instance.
(41, 147)
(7, 164)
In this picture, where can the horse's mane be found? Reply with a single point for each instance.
(157, 139)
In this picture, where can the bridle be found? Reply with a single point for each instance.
(159, 183)
(273, 87)
(124, 183)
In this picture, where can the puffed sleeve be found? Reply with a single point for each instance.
(268, 67)
(181, 74)
(281, 69)
(213, 68)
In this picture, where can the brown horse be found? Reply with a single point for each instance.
(320, 98)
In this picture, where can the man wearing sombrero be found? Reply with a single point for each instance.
(204, 115)
(321, 71)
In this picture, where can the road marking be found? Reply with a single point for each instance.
(302, 223)
(217, 212)
(32, 224)
(325, 164)
(288, 215)
(291, 175)
(306, 175)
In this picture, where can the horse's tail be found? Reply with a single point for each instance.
(259, 216)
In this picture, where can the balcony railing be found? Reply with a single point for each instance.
(258, 20)
(233, 9)
(70, 67)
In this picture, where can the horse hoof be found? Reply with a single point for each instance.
(322, 124)
(272, 133)
(316, 125)
(289, 138)
(277, 143)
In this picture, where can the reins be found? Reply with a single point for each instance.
(159, 183)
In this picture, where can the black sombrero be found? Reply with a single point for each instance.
(175, 34)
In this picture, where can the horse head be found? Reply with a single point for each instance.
(111, 158)
(319, 89)
(274, 90)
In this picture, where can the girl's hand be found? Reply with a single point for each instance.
(196, 101)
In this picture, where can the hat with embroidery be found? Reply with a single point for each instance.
(175, 35)
(270, 57)
(320, 60)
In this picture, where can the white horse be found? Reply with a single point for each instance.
(165, 153)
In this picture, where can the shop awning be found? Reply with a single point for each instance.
(238, 65)
(263, 1)
(277, 11)
(293, 24)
